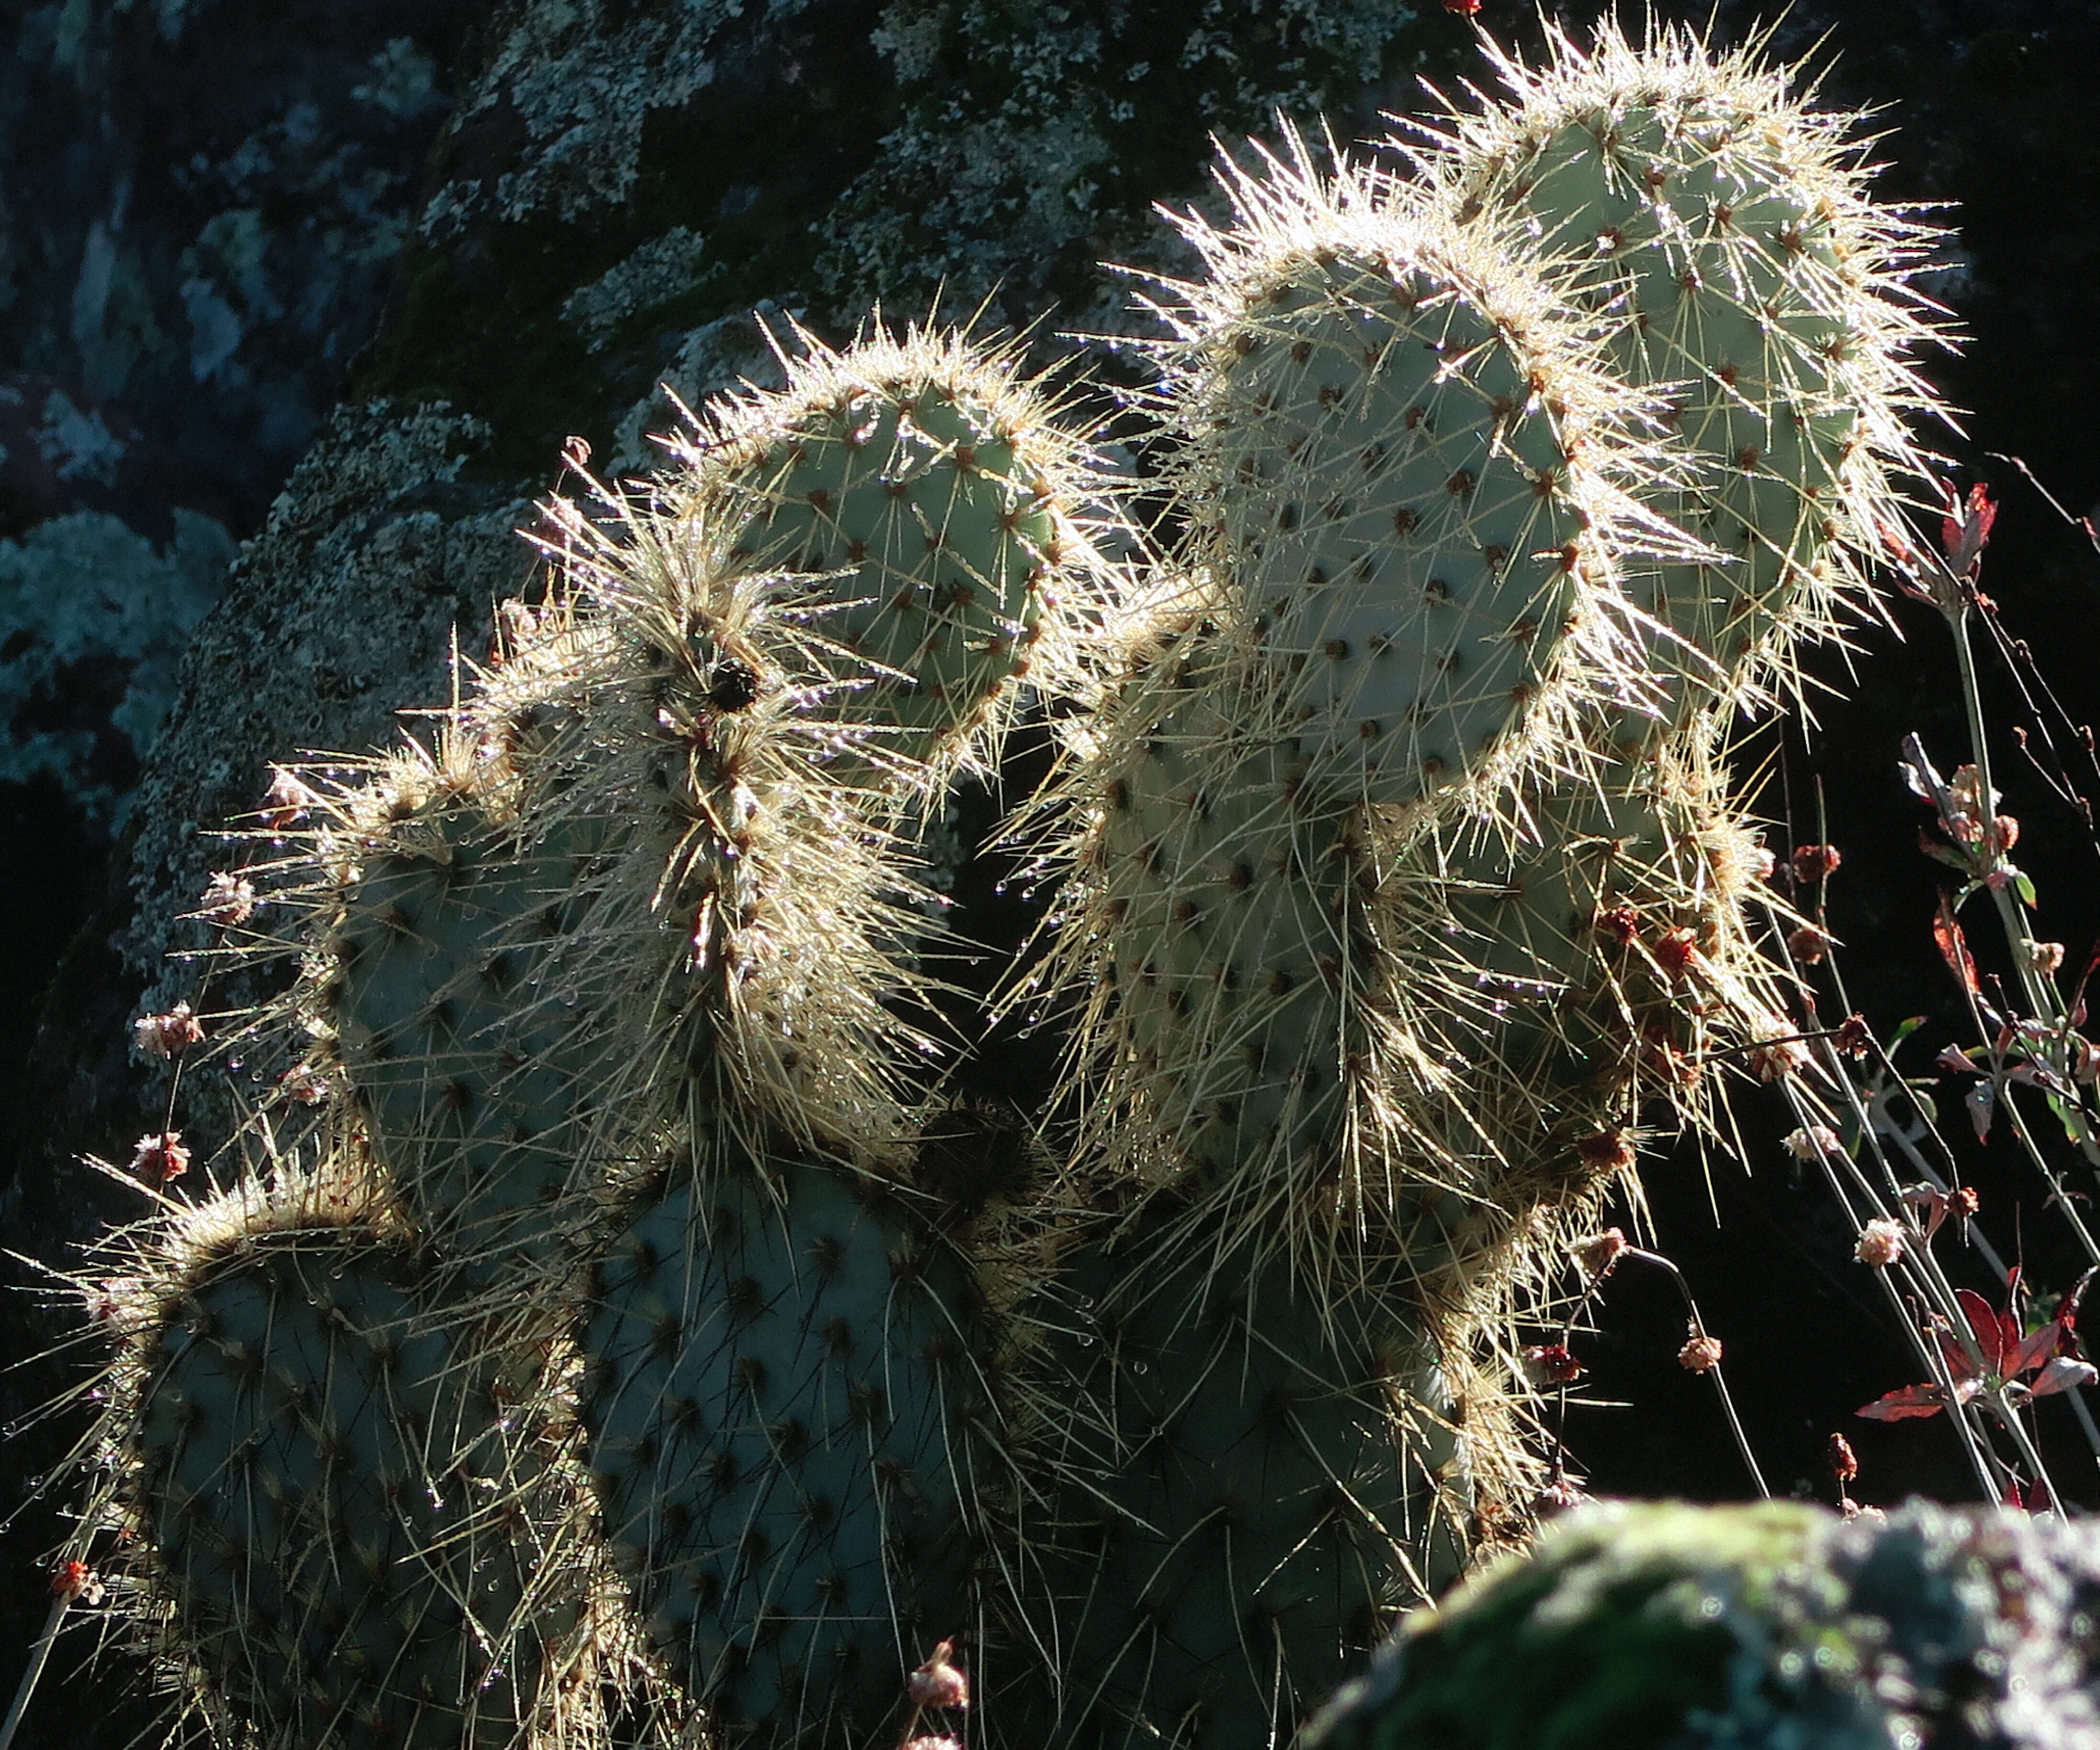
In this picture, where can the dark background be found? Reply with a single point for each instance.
(1990, 109)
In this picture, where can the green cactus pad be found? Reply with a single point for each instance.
(1403, 475)
(1719, 227)
(330, 1490)
(936, 514)
(778, 1378)
(1214, 944)
(474, 1052)
(1752, 1628)
(1254, 1474)
(753, 898)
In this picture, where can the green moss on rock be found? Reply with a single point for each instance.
(1765, 1626)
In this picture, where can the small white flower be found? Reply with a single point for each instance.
(1817, 1142)
(1881, 1244)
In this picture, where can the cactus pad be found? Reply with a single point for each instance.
(926, 496)
(471, 1052)
(1255, 1473)
(777, 1374)
(1403, 477)
(1719, 227)
(340, 1517)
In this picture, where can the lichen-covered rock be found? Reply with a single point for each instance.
(183, 299)
(201, 211)
(1031, 141)
(91, 610)
(1774, 1627)
(341, 614)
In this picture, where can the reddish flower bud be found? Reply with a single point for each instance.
(1965, 530)
(1853, 1038)
(167, 1035)
(1701, 1354)
(1813, 862)
(1808, 944)
(937, 1683)
(1881, 1244)
(1601, 1252)
(285, 803)
(1551, 1364)
(1606, 1151)
(160, 1159)
(1621, 924)
(1463, 8)
(1844, 1462)
(1677, 952)
(75, 1580)
(302, 1084)
(228, 901)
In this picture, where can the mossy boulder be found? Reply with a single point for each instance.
(1777, 1624)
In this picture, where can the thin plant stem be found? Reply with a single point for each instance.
(39, 1654)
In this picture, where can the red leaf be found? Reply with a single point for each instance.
(2036, 1349)
(1996, 1333)
(1966, 531)
(1901, 1406)
(1981, 1100)
(2062, 1373)
(1953, 949)
(1961, 1365)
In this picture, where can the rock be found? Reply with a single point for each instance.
(1774, 1627)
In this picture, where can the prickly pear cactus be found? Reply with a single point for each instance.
(470, 1053)
(1586, 971)
(1755, 1626)
(1214, 960)
(1403, 881)
(1408, 489)
(344, 1516)
(1257, 1468)
(671, 708)
(1406, 480)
